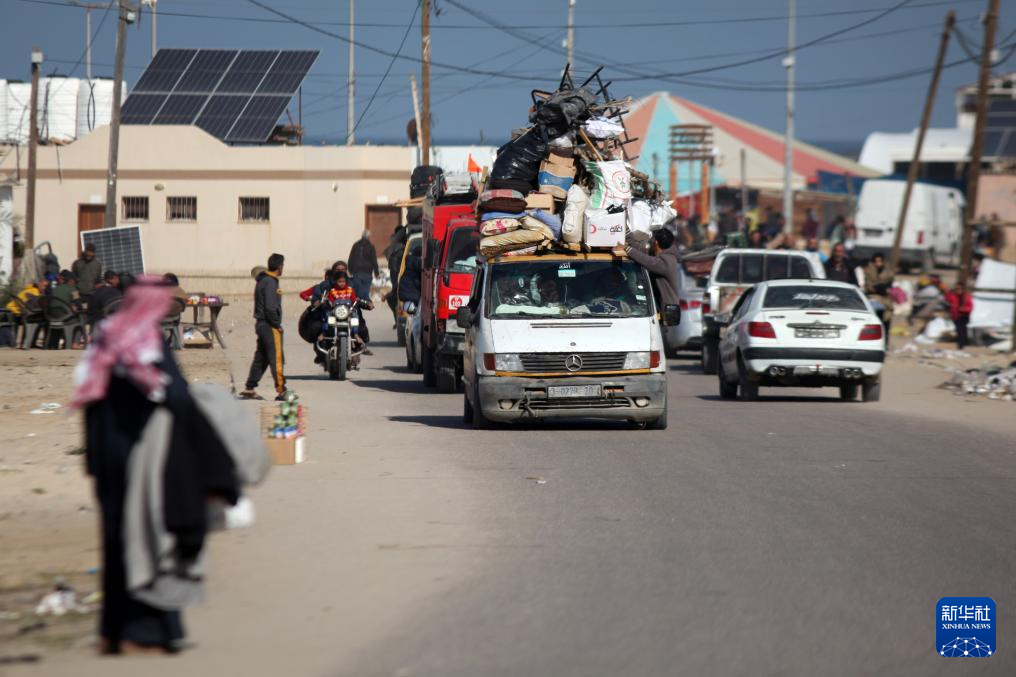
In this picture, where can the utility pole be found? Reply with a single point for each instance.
(744, 182)
(351, 84)
(788, 162)
(425, 127)
(125, 16)
(88, 42)
(915, 163)
(33, 147)
(974, 170)
(416, 115)
(571, 32)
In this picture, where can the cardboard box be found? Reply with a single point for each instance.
(287, 451)
(540, 201)
(555, 178)
(603, 229)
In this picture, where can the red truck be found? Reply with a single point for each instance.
(451, 245)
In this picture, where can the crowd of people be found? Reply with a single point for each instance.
(87, 289)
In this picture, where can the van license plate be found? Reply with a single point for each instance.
(574, 391)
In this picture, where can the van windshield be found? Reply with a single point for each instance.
(568, 289)
(463, 250)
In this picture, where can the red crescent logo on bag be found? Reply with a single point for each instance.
(592, 228)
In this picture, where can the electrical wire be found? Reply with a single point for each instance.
(391, 63)
(589, 26)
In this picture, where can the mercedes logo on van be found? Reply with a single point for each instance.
(573, 363)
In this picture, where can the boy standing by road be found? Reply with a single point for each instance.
(268, 327)
(961, 304)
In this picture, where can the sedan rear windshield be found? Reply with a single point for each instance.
(812, 296)
(754, 268)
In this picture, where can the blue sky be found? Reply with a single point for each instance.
(670, 38)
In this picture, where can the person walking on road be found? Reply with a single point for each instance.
(88, 269)
(268, 327)
(961, 304)
(662, 263)
(363, 265)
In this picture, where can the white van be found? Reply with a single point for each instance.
(564, 335)
(933, 229)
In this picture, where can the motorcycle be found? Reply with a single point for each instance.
(338, 345)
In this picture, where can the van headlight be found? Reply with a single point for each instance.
(507, 362)
(341, 312)
(636, 361)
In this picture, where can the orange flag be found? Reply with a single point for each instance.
(472, 167)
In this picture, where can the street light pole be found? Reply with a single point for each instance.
(788, 162)
(571, 32)
(33, 146)
(351, 83)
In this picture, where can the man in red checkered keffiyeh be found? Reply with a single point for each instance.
(129, 342)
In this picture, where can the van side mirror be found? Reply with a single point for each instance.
(464, 317)
(671, 315)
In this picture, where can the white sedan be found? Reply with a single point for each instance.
(802, 333)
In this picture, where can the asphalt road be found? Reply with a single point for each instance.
(792, 536)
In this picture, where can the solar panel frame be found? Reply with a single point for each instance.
(180, 109)
(258, 119)
(141, 109)
(206, 70)
(165, 70)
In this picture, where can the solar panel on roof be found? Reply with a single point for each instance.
(206, 70)
(236, 95)
(1008, 147)
(119, 249)
(247, 72)
(180, 109)
(165, 69)
(258, 119)
(141, 109)
(221, 112)
(1002, 106)
(287, 73)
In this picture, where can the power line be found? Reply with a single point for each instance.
(391, 63)
(590, 26)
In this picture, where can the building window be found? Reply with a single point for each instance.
(254, 209)
(181, 209)
(135, 208)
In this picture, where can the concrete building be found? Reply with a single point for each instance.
(209, 211)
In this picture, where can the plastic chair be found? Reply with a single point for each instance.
(31, 319)
(111, 307)
(63, 321)
(171, 324)
(9, 322)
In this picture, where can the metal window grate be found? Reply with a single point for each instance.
(254, 209)
(134, 208)
(181, 209)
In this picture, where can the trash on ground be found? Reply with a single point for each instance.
(61, 600)
(46, 408)
(993, 382)
(538, 480)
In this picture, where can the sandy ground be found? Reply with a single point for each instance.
(48, 523)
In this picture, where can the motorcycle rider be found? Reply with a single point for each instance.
(342, 291)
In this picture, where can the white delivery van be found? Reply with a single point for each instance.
(564, 335)
(933, 228)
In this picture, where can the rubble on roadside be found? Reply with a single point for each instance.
(993, 382)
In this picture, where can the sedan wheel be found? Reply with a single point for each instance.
(728, 390)
(871, 392)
